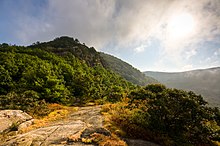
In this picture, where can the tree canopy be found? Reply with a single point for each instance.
(55, 79)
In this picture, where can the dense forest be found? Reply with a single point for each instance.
(66, 72)
(31, 76)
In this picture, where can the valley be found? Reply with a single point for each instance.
(205, 82)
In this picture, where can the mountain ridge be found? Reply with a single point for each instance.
(199, 69)
(64, 45)
(201, 81)
(126, 70)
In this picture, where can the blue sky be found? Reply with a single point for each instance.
(159, 35)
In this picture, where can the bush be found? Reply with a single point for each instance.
(168, 116)
(28, 101)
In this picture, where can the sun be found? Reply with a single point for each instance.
(181, 25)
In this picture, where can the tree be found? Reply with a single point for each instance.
(175, 115)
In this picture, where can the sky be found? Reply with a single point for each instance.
(151, 35)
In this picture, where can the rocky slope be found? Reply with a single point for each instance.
(60, 132)
(73, 130)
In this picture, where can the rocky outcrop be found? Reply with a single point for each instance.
(14, 119)
(68, 131)
(80, 128)
(51, 135)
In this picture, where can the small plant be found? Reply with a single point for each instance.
(14, 126)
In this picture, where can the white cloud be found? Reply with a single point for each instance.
(207, 27)
(127, 24)
(187, 67)
(140, 49)
(190, 53)
(217, 52)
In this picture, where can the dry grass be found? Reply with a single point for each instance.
(58, 112)
(112, 140)
(112, 112)
(103, 140)
(99, 139)
(76, 137)
(216, 143)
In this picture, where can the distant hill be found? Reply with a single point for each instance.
(204, 81)
(126, 70)
(64, 45)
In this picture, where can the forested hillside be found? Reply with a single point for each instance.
(64, 45)
(205, 82)
(126, 70)
(32, 76)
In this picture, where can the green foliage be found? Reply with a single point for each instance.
(64, 45)
(127, 71)
(5, 80)
(28, 101)
(169, 117)
(53, 78)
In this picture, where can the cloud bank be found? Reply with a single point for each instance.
(126, 25)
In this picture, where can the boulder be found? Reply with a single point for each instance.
(9, 118)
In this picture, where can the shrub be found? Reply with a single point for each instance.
(167, 116)
(28, 101)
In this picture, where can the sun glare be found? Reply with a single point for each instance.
(181, 25)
